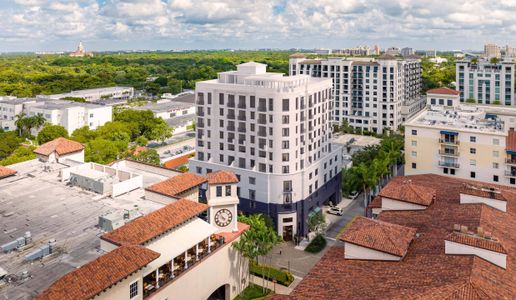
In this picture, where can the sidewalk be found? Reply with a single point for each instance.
(276, 287)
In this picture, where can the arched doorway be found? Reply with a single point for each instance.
(222, 293)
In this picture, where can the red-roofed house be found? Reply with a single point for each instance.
(443, 97)
(185, 185)
(6, 172)
(59, 150)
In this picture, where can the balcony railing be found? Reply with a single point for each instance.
(449, 153)
(510, 173)
(511, 161)
(448, 164)
(450, 142)
(168, 272)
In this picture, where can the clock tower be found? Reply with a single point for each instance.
(221, 194)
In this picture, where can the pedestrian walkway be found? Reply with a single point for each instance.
(276, 287)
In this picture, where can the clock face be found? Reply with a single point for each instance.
(223, 217)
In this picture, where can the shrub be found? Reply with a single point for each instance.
(253, 291)
(282, 277)
(316, 245)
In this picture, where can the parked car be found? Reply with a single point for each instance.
(353, 195)
(336, 211)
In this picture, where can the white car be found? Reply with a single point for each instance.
(353, 195)
(336, 211)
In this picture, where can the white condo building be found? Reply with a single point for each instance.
(485, 82)
(92, 95)
(71, 115)
(466, 141)
(371, 94)
(274, 132)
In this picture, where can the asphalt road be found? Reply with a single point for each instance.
(355, 208)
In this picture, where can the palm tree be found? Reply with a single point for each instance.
(20, 122)
(39, 120)
(393, 147)
(366, 178)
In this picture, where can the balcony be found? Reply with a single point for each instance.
(262, 108)
(241, 117)
(449, 142)
(511, 173)
(448, 164)
(231, 116)
(231, 128)
(241, 105)
(231, 104)
(242, 129)
(510, 161)
(182, 263)
(449, 153)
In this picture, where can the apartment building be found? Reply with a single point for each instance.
(471, 142)
(486, 83)
(274, 132)
(116, 92)
(407, 51)
(71, 115)
(393, 51)
(371, 94)
(492, 51)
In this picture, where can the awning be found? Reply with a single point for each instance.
(180, 240)
(512, 152)
(449, 132)
(314, 212)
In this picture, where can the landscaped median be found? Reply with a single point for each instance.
(253, 292)
(317, 244)
(282, 277)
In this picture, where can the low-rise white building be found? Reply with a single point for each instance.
(116, 92)
(445, 97)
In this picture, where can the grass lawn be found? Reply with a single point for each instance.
(253, 291)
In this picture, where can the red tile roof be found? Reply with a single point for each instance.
(407, 191)
(178, 161)
(60, 146)
(485, 192)
(476, 241)
(443, 91)
(5, 172)
(377, 235)
(231, 236)
(426, 272)
(99, 274)
(510, 141)
(156, 223)
(221, 177)
(176, 185)
(376, 203)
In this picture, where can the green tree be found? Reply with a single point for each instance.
(84, 135)
(102, 151)
(366, 178)
(494, 60)
(9, 143)
(142, 141)
(471, 100)
(161, 131)
(51, 132)
(20, 123)
(36, 121)
(19, 155)
(149, 156)
(317, 222)
(115, 131)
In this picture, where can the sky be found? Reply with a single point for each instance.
(102, 25)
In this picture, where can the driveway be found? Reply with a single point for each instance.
(355, 208)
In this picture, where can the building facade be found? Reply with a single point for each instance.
(274, 133)
(369, 93)
(471, 142)
(407, 51)
(116, 92)
(492, 51)
(486, 83)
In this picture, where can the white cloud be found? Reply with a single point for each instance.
(285, 23)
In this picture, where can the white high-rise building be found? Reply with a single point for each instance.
(274, 132)
(486, 83)
(492, 51)
(371, 94)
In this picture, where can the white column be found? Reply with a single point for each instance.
(186, 261)
(196, 252)
(209, 246)
(157, 280)
(172, 268)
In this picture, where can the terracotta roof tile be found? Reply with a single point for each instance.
(443, 91)
(376, 203)
(510, 141)
(407, 191)
(426, 272)
(176, 185)
(5, 172)
(382, 236)
(231, 236)
(156, 223)
(485, 191)
(178, 161)
(476, 241)
(60, 146)
(99, 274)
(221, 177)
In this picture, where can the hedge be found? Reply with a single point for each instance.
(316, 245)
(282, 277)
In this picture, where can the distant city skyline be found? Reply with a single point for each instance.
(107, 25)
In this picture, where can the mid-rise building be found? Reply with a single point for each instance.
(471, 142)
(431, 53)
(371, 94)
(486, 83)
(434, 237)
(394, 51)
(69, 114)
(492, 51)
(407, 51)
(274, 132)
(445, 97)
(92, 95)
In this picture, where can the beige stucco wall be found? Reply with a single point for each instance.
(496, 258)
(352, 251)
(390, 204)
(498, 204)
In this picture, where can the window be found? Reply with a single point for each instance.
(252, 194)
(228, 190)
(495, 178)
(414, 166)
(472, 162)
(133, 290)
(496, 142)
(414, 153)
(496, 153)
(219, 191)
(472, 174)
(414, 132)
(473, 150)
(287, 186)
(285, 105)
(452, 171)
(414, 143)
(473, 139)
(252, 180)
(495, 165)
